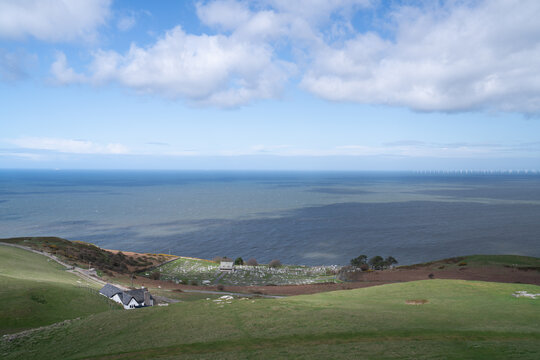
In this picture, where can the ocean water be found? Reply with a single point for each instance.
(297, 217)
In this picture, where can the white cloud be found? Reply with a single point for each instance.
(451, 58)
(226, 14)
(300, 20)
(62, 73)
(22, 155)
(125, 23)
(458, 56)
(68, 145)
(224, 70)
(52, 20)
(216, 70)
(399, 149)
(441, 150)
(318, 10)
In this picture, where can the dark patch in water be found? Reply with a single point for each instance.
(410, 231)
(339, 191)
(525, 192)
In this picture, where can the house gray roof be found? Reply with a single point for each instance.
(137, 294)
(125, 296)
(110, 290)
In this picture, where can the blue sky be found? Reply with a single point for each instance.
(270, 84)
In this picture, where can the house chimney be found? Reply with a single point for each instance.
(147, 299)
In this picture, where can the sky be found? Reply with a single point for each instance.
(270, 85)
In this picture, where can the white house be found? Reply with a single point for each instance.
(130, 299)
(226, 265)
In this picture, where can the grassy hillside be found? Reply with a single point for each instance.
(36, 291)
(503, 260)
(516, 261)
(457, 320)
(460, 320)
(83, 254)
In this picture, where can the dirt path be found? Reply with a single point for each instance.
(243, 294)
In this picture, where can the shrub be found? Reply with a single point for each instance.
(239, 261)
(155, 275)
(220, 287)
(194, 282)
(364, 267)
(217, 259)
(252, 262)
(109, 273)
(463, 263)
(274, 263)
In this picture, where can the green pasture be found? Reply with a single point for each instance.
(461, 320)
(36, 291)
(502, 260)
(516, 261)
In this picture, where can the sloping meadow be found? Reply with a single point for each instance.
(450, 318)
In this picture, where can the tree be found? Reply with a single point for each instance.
(389, 261)
(358, 261)
(252, 262)
(376, 262)
(239, 261)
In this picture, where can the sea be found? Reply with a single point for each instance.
(310, 218)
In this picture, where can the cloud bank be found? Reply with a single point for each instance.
(452, 58)
(68, 146)
(449, 57)
(52, 20)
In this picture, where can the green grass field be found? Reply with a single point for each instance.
(36, 291)
(502, 260)
(460, 320)
(515, 261)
